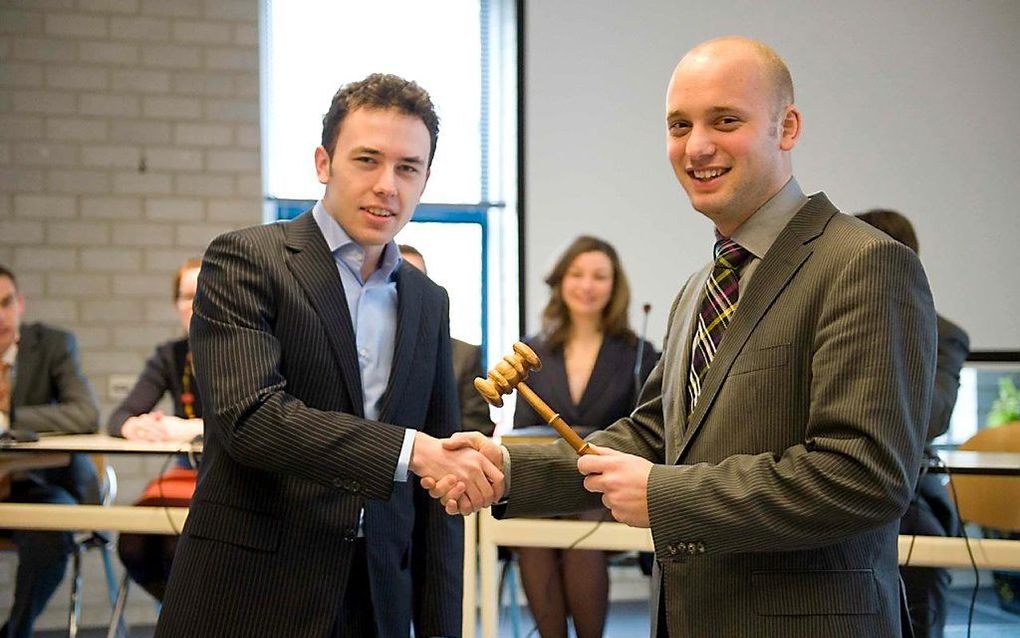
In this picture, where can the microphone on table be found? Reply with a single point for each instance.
(646, 308)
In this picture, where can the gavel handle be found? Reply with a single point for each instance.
(580, 445)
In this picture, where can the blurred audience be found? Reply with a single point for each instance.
(931, 512)
(147, 557)
(42, 389)
(589, 355)
(467, 364)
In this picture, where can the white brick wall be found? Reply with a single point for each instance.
(129, 138)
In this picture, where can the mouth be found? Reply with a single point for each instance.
(381, 213)
(705, 175)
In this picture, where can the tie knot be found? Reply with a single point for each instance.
(729, 254)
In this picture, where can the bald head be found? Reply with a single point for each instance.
(731, 125)
(773, 69)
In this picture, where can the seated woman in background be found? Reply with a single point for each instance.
(588, 354)
(147, 557)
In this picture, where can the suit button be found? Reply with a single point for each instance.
(338, 482)
(350, 534)
(354, 486)
(691, 548)
(671, 549)
(701, 548)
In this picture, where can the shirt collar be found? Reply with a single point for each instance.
(760, 231)
(11, 354)
(352, 253)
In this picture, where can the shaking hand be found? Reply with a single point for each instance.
(461, 473)
(454, 493)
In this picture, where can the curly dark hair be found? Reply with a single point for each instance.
(380, 91)
(556, 316)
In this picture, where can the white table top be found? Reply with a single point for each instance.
(100, 444)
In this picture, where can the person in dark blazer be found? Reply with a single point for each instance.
(773, 481)
(931, 511)
(588, 354)
(148, 557)
(325, 374)
(467, 364)
(44, 392)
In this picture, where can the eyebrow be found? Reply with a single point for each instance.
(368, 150)
(712, 111)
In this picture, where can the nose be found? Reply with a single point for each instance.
(386, 184)
(700, 145)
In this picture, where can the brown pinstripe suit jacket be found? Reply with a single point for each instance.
(774, 506)
(289, 460)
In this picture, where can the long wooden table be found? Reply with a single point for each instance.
(51, 451)
(480, 552)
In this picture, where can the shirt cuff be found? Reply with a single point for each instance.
(400, 476)
(506, 474)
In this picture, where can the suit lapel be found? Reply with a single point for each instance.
(789, 252)
(612, 353)
(26, 362)
(679, 352)
(409, 315)
(554, 370)
(314, 268)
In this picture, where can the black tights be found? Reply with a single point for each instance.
(147, 559)
(561, 583)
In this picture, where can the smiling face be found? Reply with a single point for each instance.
(12, 306)
(727, 139)
(376, 174)
(587, 284)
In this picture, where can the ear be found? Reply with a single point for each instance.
(790, 128)
(322, 161)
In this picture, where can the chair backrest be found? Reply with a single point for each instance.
(990, 501)
(107, 479)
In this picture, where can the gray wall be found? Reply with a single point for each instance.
(909, 104)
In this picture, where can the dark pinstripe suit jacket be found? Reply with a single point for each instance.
(289, 460)
(774, 506)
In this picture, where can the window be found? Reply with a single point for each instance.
(464, 52)
(979, 389)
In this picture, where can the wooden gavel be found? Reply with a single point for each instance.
(509, 373)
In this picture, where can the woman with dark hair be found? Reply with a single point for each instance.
(588, 354)
(147, 557)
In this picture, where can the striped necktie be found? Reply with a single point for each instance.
(718, 303)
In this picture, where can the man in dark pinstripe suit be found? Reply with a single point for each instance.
(774, 493)
(325, 371)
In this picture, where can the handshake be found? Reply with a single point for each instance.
(464, 472)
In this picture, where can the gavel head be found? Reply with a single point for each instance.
(507, 373)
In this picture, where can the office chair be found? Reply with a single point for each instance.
(88, 540)
(101, 541)
(990, 501)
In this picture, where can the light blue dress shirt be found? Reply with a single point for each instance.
(373, 307)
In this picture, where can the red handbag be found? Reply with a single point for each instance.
(173, 488)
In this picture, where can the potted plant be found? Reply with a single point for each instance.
(1006, 408)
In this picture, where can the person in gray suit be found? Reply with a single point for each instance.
(774, 480)
(42, 389)
(325, 374)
